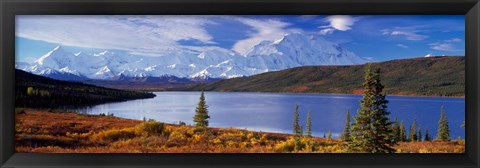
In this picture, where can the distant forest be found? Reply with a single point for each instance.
(35, 91)
(429, 76)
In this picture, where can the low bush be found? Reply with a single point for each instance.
(285, 146)
(114, 135)
(151, 128)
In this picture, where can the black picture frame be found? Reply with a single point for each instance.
(10, 8)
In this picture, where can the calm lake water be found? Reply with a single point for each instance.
(273, 112)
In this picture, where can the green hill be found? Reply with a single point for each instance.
(429, 76)
(41, 92)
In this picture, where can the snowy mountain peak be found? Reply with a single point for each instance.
(297, 49)
(292, 50)
(104, 73)
(68, 70)
(49, 58)
(21, 65)
(429, 55)
(58, 48)
(295, 37)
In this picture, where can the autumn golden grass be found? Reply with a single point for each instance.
(63, 132)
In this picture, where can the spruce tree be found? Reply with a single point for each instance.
(298, 144)
(443, 130)
(427, 135)
(419, 134)
(371, 132)
(201, 113)
(412, 135)
(298, 135)
(296, 127)
(346, 130)
(403, 132)
(308, 125)
(301, 131)
(329, 134)
(396, 131)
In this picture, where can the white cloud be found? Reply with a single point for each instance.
(402, 46)
(270, 29)
(443, 47)
(410, 33)
(147, 35)
(341, 22)
(338, 22)
(454, 40)
(446, 45)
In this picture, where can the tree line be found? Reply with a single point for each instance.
(33, 91)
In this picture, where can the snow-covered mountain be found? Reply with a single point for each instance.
(429, 55)
(292, 50)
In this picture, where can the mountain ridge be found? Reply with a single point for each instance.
(425, 76)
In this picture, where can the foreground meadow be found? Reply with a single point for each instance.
(63, 132)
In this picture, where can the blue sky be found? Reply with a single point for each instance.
(377, 37)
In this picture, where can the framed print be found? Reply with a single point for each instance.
(240, 83)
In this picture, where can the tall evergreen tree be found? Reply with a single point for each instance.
(443, 130)
(396, 131)
(308, 125)
(427, 135)
(298, 135)
(346, 130)
(419, 134)
(412, 135)
(403, 132)
(371, 132)
(301, 131)
(201, 113)
(296, 127)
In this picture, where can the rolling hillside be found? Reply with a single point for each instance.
(41, 92)
(428, 76)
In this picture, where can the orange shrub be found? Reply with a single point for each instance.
(114, 135)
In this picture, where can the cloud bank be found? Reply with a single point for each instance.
(145, 35)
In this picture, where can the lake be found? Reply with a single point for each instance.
(273, 112)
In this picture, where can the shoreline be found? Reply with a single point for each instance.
(347, 94)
